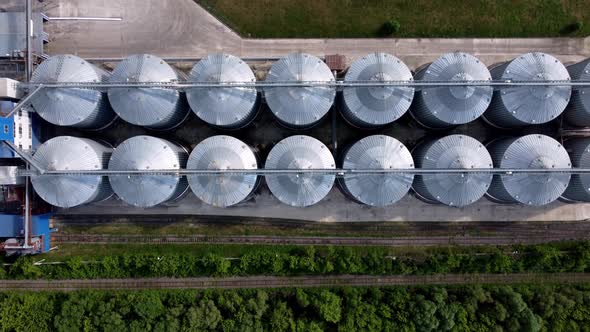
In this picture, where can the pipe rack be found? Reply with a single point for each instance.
(332, 84)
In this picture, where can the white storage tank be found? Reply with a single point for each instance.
(528, 105)
(577, 112)
(72, 153)
(148, 153)
(367, 107)
(578, 189)
(74, 107)
(227, 107)
(455, 152)
(377, 152)
(299, 107)
(155, 108)
(444, 106)
(530, 151)
(303, 153)
(222, 153)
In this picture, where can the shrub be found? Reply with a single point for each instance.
(572, 28)
(390, 27)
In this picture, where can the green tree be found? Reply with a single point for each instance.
(205, 316)
(329, 306)
(24, 268)
(216, 264)
(281, 318)
(424, 314)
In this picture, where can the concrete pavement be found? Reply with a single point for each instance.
(181, 28)
(337, 208)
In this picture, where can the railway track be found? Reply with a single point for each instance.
(298, 281)
(534, 237)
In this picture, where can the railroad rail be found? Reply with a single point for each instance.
(296, 281)
(530, 237)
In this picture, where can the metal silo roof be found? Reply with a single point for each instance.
(375, 106)
(145, 153)
(577, 112)
(76, 107)
(579, 186)
(222, 152)
(448, 106)
(72, 153)
(157, 108)
(299, 106)
(524, 105)
(300, 152)
(377, 152)
(454, 151)
(230, 107)
(531, 151)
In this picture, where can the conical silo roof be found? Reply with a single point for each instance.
(579, 186)
(299, 107)
(377, 152)
(440, 107)
(527, 105)
(300, 152)
(577, 112)
(157, 108)
(376, 106)
(231, 107)
(530, 151)
(72, 153)
(148, 153)
(457, 152)
(221, 153)
(75, 107)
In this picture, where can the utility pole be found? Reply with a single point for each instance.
(29, 31)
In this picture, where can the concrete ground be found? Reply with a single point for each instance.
(180, 28)
(337, 208)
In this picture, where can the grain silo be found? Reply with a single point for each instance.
(72, 153)
(455, 152)
(532, 152)
(577, 112)
(155, 108)
(75, 107)
(578, 189)
(299, 107)
(222, 153)
(377, 152)
(445, 106)
(376, 106)
(304, 153)
(528, 105)
(148, 153)
(227, 107)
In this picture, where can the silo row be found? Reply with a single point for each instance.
(142, 154)
(302, 107)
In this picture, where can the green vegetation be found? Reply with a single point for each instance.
(124, 261)
(416, 18)
(390, 27)
(192, 226)
(473, 308)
